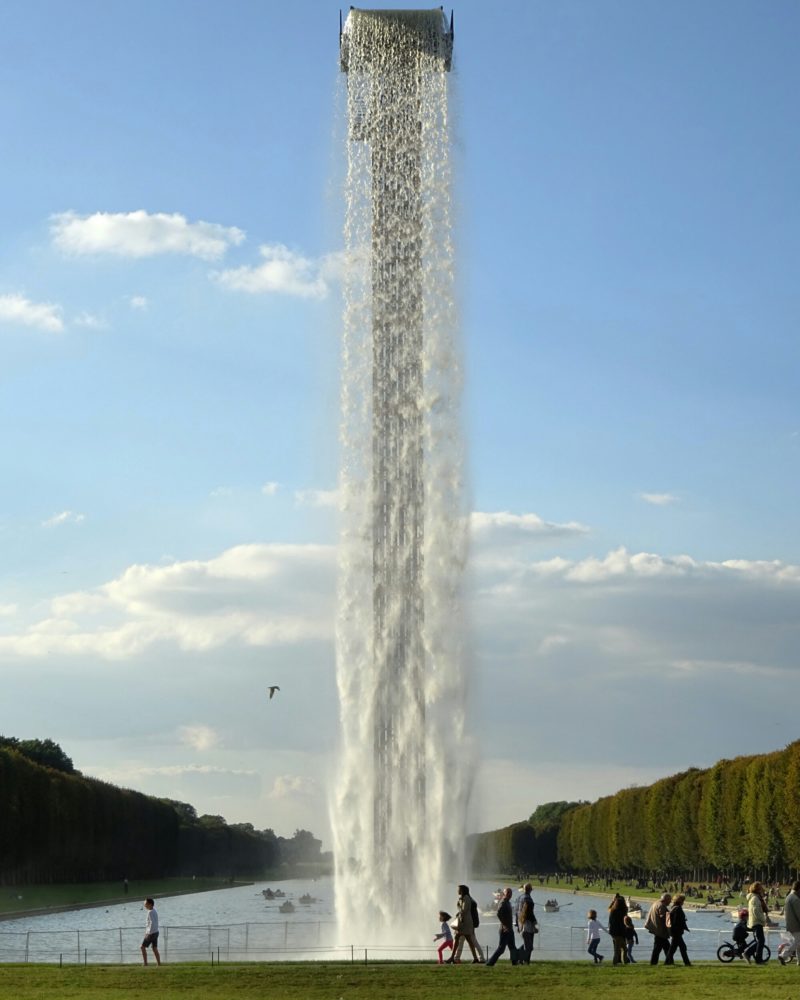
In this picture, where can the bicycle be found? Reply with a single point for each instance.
(728, 951)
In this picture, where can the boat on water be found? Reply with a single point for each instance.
(307, 898)
(634, 909)
(279, 894)
(267, 893)
(286, 906)
(551, 906)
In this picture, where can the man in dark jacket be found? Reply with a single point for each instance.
(656, 923)
(506, 917)
(526, 922)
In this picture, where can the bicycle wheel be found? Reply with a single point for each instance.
(766, 955)
(725, 953)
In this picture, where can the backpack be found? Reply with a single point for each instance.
(476, 920)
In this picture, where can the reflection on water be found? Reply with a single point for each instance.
(239, 924)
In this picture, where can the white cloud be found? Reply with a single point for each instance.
(502, 527)
(270, 489)
(20, 311)
(65, 517)
(221, 491)
(282, 271)
(138, 302)
(288, 786)
(89, 320)
(659, 499)
(8, 610)
(251, 595)
(141, 234)
(198, 737)
(316, 498)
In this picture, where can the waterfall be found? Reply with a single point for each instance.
(398, 813)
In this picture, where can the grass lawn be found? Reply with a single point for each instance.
(18, 899)
(389, 981)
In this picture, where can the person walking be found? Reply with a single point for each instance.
(631, 938)
(446, 933)
(593, 929)
(757, 918)
(656, 924)
(677, 928)
(466, 912)
(505, 915)
(526, 922)
(617, 912)
(151, 931)
(791, 913)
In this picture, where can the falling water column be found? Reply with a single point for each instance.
(391, 58)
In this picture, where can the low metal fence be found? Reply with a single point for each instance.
(287, 941)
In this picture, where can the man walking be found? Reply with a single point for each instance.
(656, 923)
(151, 931)
(791, 912)
(506, 918)
(526, 923)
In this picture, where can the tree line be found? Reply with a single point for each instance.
(739, 817)
(59, 826)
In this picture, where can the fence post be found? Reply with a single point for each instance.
(27, 945)
(365, 956)
(166, 942)
(247, 938)
(352, 953)
(79, 946)
(121, 954)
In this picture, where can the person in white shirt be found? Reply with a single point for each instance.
(151, 931)
(593, 935)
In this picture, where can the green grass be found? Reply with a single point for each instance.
(346, 981)
(19, 899)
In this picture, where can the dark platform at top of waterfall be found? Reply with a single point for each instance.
(430, 26)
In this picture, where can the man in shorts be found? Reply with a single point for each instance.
(151, 931)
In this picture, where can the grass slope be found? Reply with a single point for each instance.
(346, 981)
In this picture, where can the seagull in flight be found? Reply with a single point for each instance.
(273, 688)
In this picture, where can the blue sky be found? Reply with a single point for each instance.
(170, 190)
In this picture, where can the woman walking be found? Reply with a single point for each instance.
(677, 928)
(757, 917)
(616, 928)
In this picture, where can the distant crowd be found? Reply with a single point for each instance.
(666, 922)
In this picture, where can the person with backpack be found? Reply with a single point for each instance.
(467, 921)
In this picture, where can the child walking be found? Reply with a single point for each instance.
(593, 936)
(446, 933)
(631, 938)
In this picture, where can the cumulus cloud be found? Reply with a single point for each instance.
(270, 489)
(16, 310)
(316, 498)
(659, 499)
(251, 595)
(65, 517)
(281, 271)
(138, 302)
(198, 737)
(141, 234)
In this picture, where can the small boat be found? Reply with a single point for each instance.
(279, 894)
(307, 898)
(267, 893)
(634, 909)
(551, 906)
(286, 906)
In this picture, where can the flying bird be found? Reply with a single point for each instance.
(272, 690)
